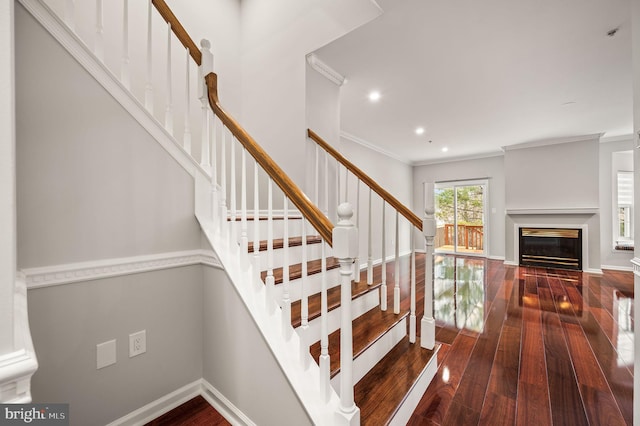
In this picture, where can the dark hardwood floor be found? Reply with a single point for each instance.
(525, 346)
(196, 411)
(531, 346)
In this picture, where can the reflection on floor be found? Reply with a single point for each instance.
(529, 346)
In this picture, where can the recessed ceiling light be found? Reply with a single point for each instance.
(374, 96)
(445, 149)
(419, 130)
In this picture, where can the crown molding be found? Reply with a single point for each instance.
(98, 269)
(373, 147)
(323, 68)
(459, 158)
(552, 141)
(620, 138)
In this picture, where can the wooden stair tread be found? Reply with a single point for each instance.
(295, 271)
(333, 300)
(382, 390)
(367, 329)
(279, 243)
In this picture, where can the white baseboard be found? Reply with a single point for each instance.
(163, 405)
(593, 271)
(510, 263)
(496, 258)
(160, 406)
(224, 406)
(618, 268)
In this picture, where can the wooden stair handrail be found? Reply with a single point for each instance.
(390, 199)
(308, 210)
(178, 30)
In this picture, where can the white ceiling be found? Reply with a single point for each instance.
(479, 75)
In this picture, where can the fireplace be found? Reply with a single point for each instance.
(551, 247)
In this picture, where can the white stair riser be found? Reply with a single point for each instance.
(295, 229)
(403, 414)
(359, 306)
(374, 353)
(314, 252)
(313, 285)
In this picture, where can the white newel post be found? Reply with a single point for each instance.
(345, 247)
(428, 324)
(203, 94)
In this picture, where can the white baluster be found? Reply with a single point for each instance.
(356, 268)
(325, 370)
(317, 172)
(326, 183)
(256, 222)
(428, 325)
(124, 72)
(369, 245)
(69, 14)
(244, 239)
(98, 49)
(383, 287)
(205, 68)
(223, 189)
(287, 329)
(345, 247)
(215, 193)
(148, 90)
(338, 191)
(304, 301)
(346, 184)
(270, 282)
(186, 140)
(412, 315)
(232, 176)
(396, 287)
(168, 115)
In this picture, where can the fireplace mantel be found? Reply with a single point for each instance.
(560, 211)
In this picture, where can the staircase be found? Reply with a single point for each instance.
(345, 334)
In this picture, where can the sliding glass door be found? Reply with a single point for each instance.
(460, 216)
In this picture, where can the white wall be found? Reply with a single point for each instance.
(7, 177)
(238, 362)
(92, 184)
(562, 175)
(394, 176)
(276, 36)
(68, 321)
(491, 168)
(635, 30)
(614, 156)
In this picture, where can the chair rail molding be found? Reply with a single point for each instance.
(98, 269)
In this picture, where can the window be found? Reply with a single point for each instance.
(624, 211)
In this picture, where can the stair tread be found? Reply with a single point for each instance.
(295, 271)
(333, 300)
(278, 243)
(382, 390)
(366, 330)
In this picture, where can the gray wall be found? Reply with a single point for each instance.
(611, 161)
(237, 361)
(67, 322)
(491, 168)
(553, 176)
(92, 184)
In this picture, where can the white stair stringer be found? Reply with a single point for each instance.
(304, 382)
(103, 75)
(374, 353)
(359, 306)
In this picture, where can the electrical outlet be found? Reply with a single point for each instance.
(137, 343)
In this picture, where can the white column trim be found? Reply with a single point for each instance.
(635, 262)
(98, 269)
